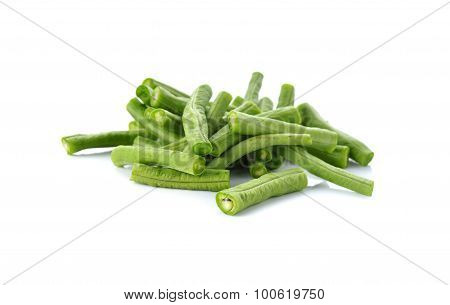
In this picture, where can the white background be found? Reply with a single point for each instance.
(396, 100)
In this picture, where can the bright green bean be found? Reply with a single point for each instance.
(144, 93)
(212, 180)
(153, 83)
(249, 125)
(317, 167)
(265, 104)
(257, 169)
(165, 119)
(254, 86)
(217, 110)
(338, 158)
(358, 150)
(240, 197)
(287, 96)
(180, 161)
(287, 114)
(162, 98)
(194, 121)
(251, 144)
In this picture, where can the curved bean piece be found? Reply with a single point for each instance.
(287, 96)
(240, 197)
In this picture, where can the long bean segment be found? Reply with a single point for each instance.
(153, 83)
(254, 86)
(240, 197)
(180, 161)
(358, 150)
(287, 96)
(258, 142)
(338, 158)
(248, 125)
(195, 123)
(79, 142)
(317, 167)
(137, 109)
(265, 104)
(217, 111)
(162, 98)
(212, 180)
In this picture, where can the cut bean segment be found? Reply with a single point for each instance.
(142, 141)
(338, 158)
(276, 162)
(162, 98)
(265, 104)
(165, 119)
(195, 123)
(261, 155)
(153, 83)
(217, 110)
(258, 142)
(144, 93)
(240, 197)
(257, 169)
(180, 161)
(358, 150)
(249, 125)
(287, 114)
(212, 180)
(179, 145)
(287, 96)
(317, 167)
(254, 86)
(237, 101)
(79, 142)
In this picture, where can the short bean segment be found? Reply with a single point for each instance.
(237, 101)
(358, 150)
(244, 124)
(194, 121)
(317, 167)
(254, 86)
(144, 93)
(238, 198)
(338, 158)
(277, 160)
(137, 110)
(288, 114)
(257, 169)
(212, 180)
(162, 98)
(153, 84)
(165, 119)
(265, 104)
(180, 161)
(287, 96)
(255, 143)
(217, 110)
(79, 142)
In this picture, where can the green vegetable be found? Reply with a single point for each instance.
(179, 145)
(217, 111)
(248, 107)
(180, 161)
(213, 180)
(195, 123)
(265, 104)
(287, 96)
(338, 158)
(137, 109)
(315, 166)
(237, 101)
(276, 162)
(261, 155)
(255, 143)
(245, 124)
(134, 126)
(79, 142)
(358, 150)
(287, 114)
(257, 169)
(162, 98)
(254, 86)
(153, 83)
(240, 197)
(140, 140)
(165, 119)
(144, 93)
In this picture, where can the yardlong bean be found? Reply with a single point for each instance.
(217, 110)
(142, 141)
(240, 197)
(338, 158)
(257, 169)
(165, 119)
(287, 96)
(162, 98)
(254, 86)
(153, 83)
(265, 104)
(144, 93)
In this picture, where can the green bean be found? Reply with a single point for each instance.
(317, 167)
(338, 158)
(140, 140)
(358, 150)
(240, 197)
(261, 155)
(194, 121)
(212, 180)
(287, 114)
(249, 125)
(179, 145)
(276, 162)
(248, 107)
(162, 98)
(287, 96)
(144, 93)
(165, 119)
(265, 104)
(180, 161)
(257, 169)
(255, 143)
(134, 126)
(137, 109)
(152, 83)
(237, 101)
(254, 86)
(217, 111)
(79, 142)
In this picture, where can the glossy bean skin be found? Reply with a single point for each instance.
(257, 169)
(358, 150)
(265, 104)
(79, 142)
(254, 86)
(248, 125)
(252, 144)
(180, 161)
(162, 98)
(217, 110)
(338, 158)
(153, 83)
(194, 121)
(287, 96)
(212, 180)
(242, 196)
(319, 168)
(137, 110)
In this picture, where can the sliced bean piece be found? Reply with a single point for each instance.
(179, 145)
(144, 93)
(257, 169)
(217, 110)
(180, 161)
(287, 96)
(212, 180)
(358, 150)
(162, 98)
(265, 104)
(338, 158)
(165, 119)
(261, 155)
(237, 101)
(249, 125)
(254, 86)
(140, 140)
(287, 114)
(258, 142)
(317, 167)
(194, 121)
(153, 83)
(79, 142)
(276, 162)
(240, 197)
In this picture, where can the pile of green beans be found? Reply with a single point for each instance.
(194, 141)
